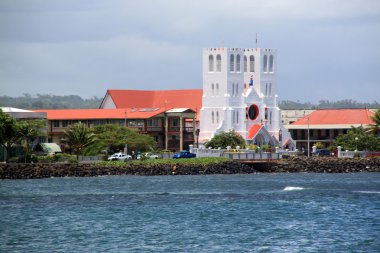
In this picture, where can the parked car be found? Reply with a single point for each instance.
(148, 155)
(119, 157)
(184, 154)
(322, 152)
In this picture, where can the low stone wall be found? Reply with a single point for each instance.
(327, 165)
(39, 170)
(295, 164)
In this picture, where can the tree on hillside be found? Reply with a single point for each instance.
(375, 127)
(9, 133)
(225, 139)
(79, 136)
(358, 139)
(113, 138)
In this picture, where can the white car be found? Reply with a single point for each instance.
(148, 155)
(119, 157)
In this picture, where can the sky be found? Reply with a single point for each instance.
(327, 49)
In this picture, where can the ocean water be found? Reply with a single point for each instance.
(216, 213)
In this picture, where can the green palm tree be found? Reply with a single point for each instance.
(79, 136)
(375, 127)
(28, 132)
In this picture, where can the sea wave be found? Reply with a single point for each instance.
(293, 188)
(368, 192)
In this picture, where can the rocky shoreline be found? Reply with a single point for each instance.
(291, 165)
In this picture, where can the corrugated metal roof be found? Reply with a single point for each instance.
(78, 114)
(254, 130)
(336, 117)
(158, 99)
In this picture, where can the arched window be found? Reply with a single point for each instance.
(212, 116)
(265, 67)
(270, 118)
(237, 117)
(245, 63)
(266, 89)
(211, 63)
(238, 63)
(217, 89)
(270, 89)
(252, 63)
(237, 90)
(232, 63)
(212, 88)
(271, 63)
(218, 63)
(217, 117)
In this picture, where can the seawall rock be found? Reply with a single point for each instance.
(291, 165)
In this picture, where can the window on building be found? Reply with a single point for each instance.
(237, 117)
(56, 123)
(265, 62)
(238, 63)
(218, 63)
(217, 117)
(65, 123)
(270, 118)
(212, 117)
(271, 63)
(212, 89)
(270, 89)
(237, 90)
(175, 122)
(232, 63)
(136, 123)
(233, 116)
(252, 63)
(233, 89)
(266, 89)
(154, 122)
(211, 63)
(245, 63)
(217, 89)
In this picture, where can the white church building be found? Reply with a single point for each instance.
(240, 94)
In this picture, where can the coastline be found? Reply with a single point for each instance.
(290, 165)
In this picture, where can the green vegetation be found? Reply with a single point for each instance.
(41, 101)
(225, 139)
(113, 138)
(358, 139)
(22, 132)
(57, 158)
(186, 161)
(375, 127)
(79, 136)
(325, 104)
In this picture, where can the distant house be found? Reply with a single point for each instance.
(325, 125)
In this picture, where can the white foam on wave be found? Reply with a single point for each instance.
(369, 192)
(293, 188)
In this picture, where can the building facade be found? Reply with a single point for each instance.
(324, 125)
(172, 129)
(240, 94)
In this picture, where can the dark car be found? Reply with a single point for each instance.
(322, 152)
(184, 154)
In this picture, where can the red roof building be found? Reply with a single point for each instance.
(325, 125)
(172, 129)
(153, 99)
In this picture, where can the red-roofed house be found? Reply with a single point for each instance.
(171, 128)
(325, 125)
(153, 99)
